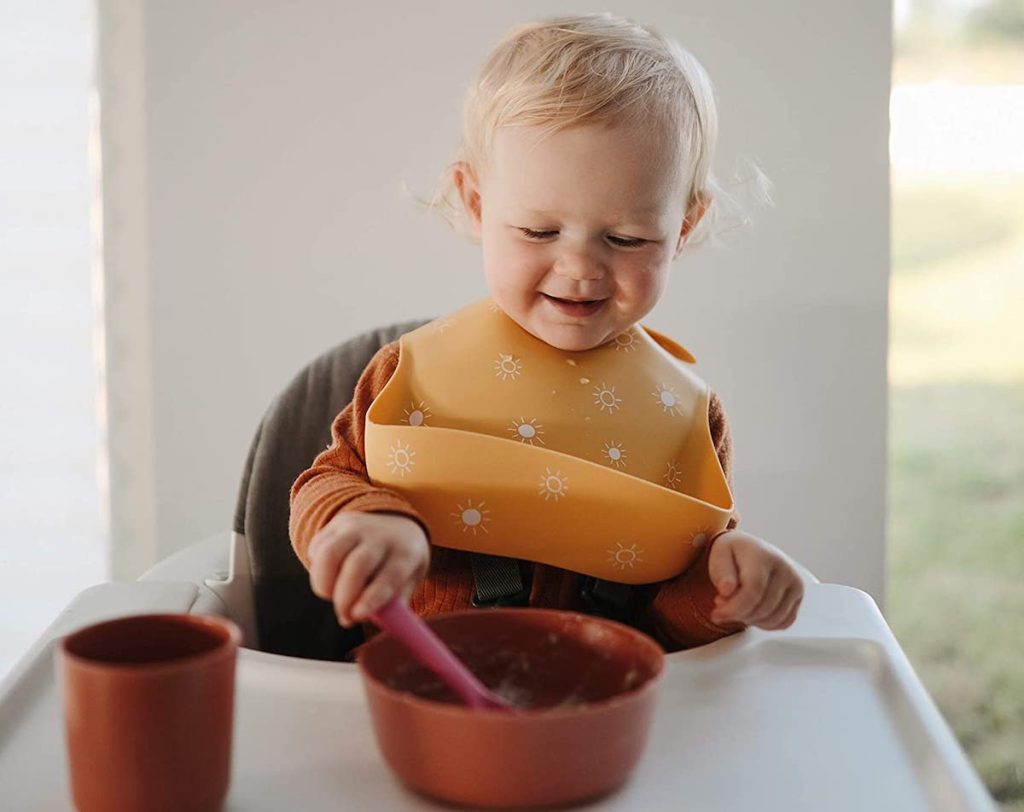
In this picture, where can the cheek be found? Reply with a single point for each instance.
(642, 280)
(512, 260)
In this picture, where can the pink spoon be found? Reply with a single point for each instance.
(398, 620)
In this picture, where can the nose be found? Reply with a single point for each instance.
(579, 262)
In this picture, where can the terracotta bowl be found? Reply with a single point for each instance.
(585, 690)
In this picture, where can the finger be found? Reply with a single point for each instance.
(786, 613)
(772, 598)
(790, 611)
(722, 569)
(768, 620)
(753, 580)
(326, 553)
(358, 567)
(387, 582)
(337, 527)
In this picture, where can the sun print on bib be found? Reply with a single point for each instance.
(615, 454)
(606, 399)
(507, 367)
(472, 517)
(400, 458)
(417, 414)
(701, 536)
(553, 485)
(527, 431)
(627, 342)
(622, 557)
(668, 399)
(672, 476)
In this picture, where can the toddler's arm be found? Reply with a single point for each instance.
(359, 527)
(685, 611)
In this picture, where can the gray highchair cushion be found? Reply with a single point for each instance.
(290, 619)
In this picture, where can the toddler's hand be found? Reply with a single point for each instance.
(755, 582)
(359, 561)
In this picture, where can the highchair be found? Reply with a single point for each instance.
(252, 574)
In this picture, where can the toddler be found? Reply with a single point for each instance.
(541, 447)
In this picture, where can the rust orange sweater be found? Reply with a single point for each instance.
(675, 612)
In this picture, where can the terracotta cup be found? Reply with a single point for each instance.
(148, 711)
(585, 688)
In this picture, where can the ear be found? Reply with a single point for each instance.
(698, 207)
(469, 192)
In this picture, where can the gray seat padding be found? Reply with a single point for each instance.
(290, 619)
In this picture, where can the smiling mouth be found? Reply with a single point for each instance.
(572, 301)
(575, 307)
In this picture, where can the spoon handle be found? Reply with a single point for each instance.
(398, 620)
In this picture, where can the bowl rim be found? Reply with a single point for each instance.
(520, 714)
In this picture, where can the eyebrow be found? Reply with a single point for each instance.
(632, 216)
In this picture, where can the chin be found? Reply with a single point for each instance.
(570, 343)
(560, 336)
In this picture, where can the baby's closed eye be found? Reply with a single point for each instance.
(623, 242)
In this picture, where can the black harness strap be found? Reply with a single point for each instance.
(498, 581)
(608, 599)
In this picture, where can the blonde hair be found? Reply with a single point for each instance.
(594, 69)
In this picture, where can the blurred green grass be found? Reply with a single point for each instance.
(957, 290)
(941, 222)
(956, 466)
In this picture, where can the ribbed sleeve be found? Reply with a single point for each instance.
(337, 479)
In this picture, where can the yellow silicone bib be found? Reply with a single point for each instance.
(600, 462)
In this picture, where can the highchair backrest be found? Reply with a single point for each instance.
(290, 619)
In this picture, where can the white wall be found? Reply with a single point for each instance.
(277, 135)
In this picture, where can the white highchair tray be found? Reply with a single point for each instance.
(826, 715)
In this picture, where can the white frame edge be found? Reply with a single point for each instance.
(121, 276)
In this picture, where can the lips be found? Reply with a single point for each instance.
(571, 307)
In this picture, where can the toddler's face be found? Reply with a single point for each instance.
(590, 214)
